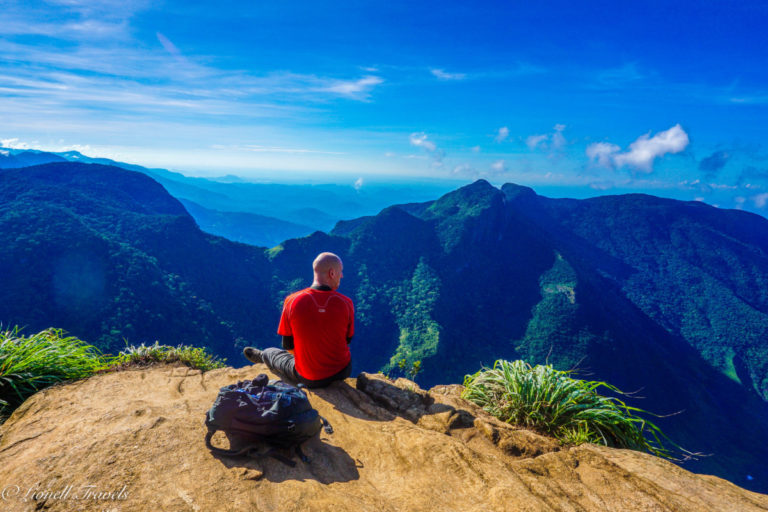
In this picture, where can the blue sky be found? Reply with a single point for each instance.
(572, 98)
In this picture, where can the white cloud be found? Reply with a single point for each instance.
(760, 200)
(354, 88)
(534, 141)
(464, 170)
(602, 185)
(168, 45)
(421, 140)
(358, 183)
(14, 144)
(498, 167)
(548, 141)
(253, 148)
(558, 141)
(642, 152)
(502, 134)
(475, 149)
(601, 153)
(646, 149)
(442, 75)
(59, 147)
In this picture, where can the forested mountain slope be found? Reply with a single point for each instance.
(108, 255)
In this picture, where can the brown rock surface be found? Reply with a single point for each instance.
(139, 435)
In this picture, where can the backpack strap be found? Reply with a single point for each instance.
(250, 451)
(301, 454)
(326, 426)
(222, 451)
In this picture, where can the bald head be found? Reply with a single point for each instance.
(327, 268)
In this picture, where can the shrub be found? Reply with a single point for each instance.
(30, 363)
(569, 409)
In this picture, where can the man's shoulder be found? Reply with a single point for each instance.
(350, 306)
(293, 296)
(344, 297)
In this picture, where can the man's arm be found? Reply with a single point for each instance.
(288, 343)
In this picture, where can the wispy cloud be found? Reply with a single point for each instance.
(356, 89)
(89, 67)
(168, 45)
(760, 200)
(253, 148)
(420, 139)
(15, 143)
(502, 134)
(642, 152)
(498, 167)
(443, 75)
(620, 76)
(534, 141)
(757, 99)
(548, 141)
(464, 170)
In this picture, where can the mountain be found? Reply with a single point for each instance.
(248, 228)
(483, 273)
(317, 206)
(137, 438)
(108, 255)
(609, 286)
(15, 158)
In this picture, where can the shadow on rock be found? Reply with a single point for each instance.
(327, 464)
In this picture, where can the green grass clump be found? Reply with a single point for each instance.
(194, 357)
(30, 363)
(569, 409)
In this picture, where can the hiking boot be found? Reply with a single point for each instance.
(253, 355)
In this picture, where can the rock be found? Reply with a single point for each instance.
(134, 441)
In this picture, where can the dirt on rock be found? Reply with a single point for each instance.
(134, 441)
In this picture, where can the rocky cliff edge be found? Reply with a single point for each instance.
(133, 441)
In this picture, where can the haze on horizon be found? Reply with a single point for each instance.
(662, 98)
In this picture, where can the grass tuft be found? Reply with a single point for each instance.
(571, 410)
(194, 357)
(30, 363)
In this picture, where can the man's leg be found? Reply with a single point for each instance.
(343, 374)
(281, 362)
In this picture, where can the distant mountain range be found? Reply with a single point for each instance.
(248, 228)
(649, 294)
(278, 211)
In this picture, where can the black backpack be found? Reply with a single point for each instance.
(256, 412)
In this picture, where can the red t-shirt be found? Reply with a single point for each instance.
(320, 323)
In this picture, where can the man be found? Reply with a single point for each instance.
(317, 325)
